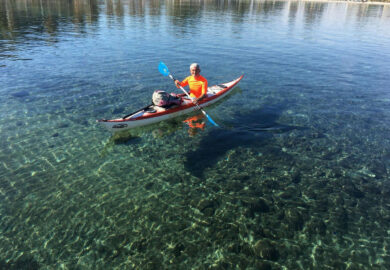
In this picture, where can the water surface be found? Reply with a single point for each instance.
(297, 177)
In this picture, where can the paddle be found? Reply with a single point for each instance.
(124, 117)
(165, 71)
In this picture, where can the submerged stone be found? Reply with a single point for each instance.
(20, 94)
(234, 186)
(316, 226)
(378, 168)
(208, 212)
(23, 262)
(339, 219)
(63, 125)
(255, 205)
(351, 190)
(263, 265)
(207, 207)
(321, 205)
(296, 178)
(178, 249)
(240, 248)
(266, 249)
(294, 219)
(289, 193)
(149, 185)
(118, 110)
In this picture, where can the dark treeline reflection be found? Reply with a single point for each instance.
(19, 19)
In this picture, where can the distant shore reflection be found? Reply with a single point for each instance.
(29, 14)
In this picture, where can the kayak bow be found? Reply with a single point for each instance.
(153, 114)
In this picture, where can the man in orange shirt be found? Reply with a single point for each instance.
(196, 82)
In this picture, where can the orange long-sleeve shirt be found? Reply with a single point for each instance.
(198, 85)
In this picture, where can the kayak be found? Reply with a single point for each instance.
(152, 114)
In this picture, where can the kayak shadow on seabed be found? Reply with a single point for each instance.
(254, 128)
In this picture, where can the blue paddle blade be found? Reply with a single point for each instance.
(163, 69)
(211, 120)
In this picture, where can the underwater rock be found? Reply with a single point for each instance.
(240, 248)
(321, 205)
(234, 186)
(338, 200)
(237, 261)
(220, 265)
(63, 125)
(207, 206)
(258, 230)
(378, 168)
(263, 265)
(242, 177)
(23, 262)
(289, 193)
(336, 173)
(310, 193)
(316, 226)
(255, 205)
(149, 185)
(385, 192)
(208, 212)
(336, 264)
(174, 178)
(270, 184)
(151, 265)
(339, 219)
(192, 250)
(266, 249)
(294, 219)
(178, 249)
(296, 178)
(20, 94)
(351, 190)
(353, 266)
(116, 241)
(371, 188)
(139, 245)
(224, 235)
(118, 110)
(204, 203)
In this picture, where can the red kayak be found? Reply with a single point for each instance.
(153, 114)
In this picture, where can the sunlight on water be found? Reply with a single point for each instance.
(296, 177)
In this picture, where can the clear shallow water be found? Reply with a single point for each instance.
(297, 177)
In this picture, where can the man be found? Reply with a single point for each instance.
(196, 82)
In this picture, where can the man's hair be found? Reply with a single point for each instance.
(196, 65)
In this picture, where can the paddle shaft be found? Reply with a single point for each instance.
(124, 117)
(188, 95)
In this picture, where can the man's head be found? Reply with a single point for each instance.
(195, 69)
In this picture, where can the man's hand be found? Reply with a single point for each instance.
(196, 100)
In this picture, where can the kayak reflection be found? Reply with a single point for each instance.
(159, 130)
(195, 123)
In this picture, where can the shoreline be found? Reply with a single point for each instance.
(349, 2)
